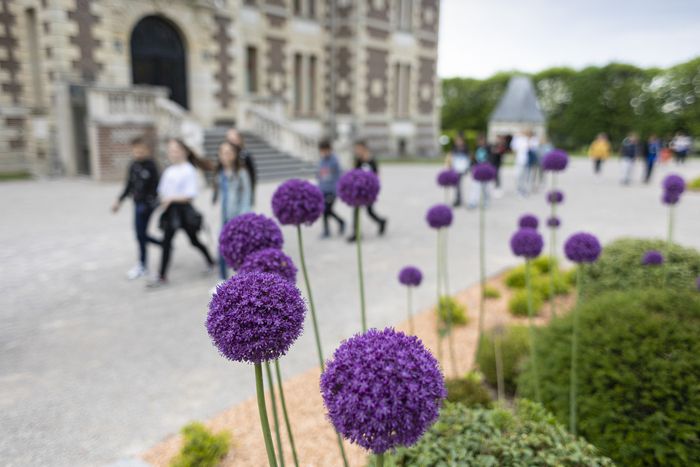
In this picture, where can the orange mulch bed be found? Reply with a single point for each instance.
(313, 434)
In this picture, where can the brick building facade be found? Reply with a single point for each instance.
(77, 74)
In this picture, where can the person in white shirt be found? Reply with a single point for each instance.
(521, 148)
(176, 190)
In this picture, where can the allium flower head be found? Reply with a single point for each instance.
(582, 247)
(528, 221)
(439, 216)
(270, 260)
(553, 222)
(670, 197)
(484, 172)
(382, 389)
(410, 276)
(255, 317)
(674, 184)
(448, 177)
(527, 243)
(297, 202)
(555, 160)
(358, 187)
(652, 258)
(555, 197)
(245, 234)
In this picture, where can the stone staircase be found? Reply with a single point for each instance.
(271, 163)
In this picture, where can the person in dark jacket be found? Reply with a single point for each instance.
(235, 138)
(364, 160)
(141, 184)
(328, 173)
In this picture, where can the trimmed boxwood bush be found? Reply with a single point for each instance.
(449, 307)
(517, 305)
(469, 391)
(528, 436)
(515, 347)
(543, 286)
(515, 278)
(491, 292)
(201, 448)
(620, 267)
(639, 375)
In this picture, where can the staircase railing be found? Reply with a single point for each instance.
(174, 121)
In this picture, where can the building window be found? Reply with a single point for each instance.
(305, 79)
(403, 14)
(305, 8)
(298, 88)
(311, 89)
(251, 62)
(402, 88)
(37, 81)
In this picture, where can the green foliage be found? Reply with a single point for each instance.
(491, 292)
(12, 176)
(543, 264)
(469, 390)
(201, 448)
(515, 347)
(570, 276)
(451, 308)
(620, 267)
(694, 185)
(543, 286)
(639, 375)
(527, 436)
(515, 278)
(517, 305)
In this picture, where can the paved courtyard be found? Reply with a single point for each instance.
(94, 368)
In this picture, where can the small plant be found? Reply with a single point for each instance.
(514, 350)
(515, 278)
(451, 309)
(544, 264)
(517, 305)
(543, 285)
(492, 292)
(694, 185)
(570, 276)
(201, 448)
(469, 390)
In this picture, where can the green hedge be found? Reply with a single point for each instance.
(469, 391)
(639, 375)
(517, 305)
(515, 347)
(201, 448)
(527, 436)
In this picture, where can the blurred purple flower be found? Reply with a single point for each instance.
(382, 389)
(270, 260)
(255, 317)
(528, 221)
(555, 197)
(297, 202)
(527, 243)
(652, 258)
(555, 160)
(582, 247)
(439, 216)
(358, 187)
(245, 234)
(484, 172)
(670, 197)
(448, 177)
(674, 183)
(553, 222)
(410, 276)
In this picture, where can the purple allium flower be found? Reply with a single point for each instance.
(410, 276)
(674, 184)
(670, 197)
(270, 260)
(553, 222)
(555, 197)
(652, 258)
(382, 389)
(448, 177)
(358, 187)
(528, 221)
(484, 172)
(245, 234)
(527, 243)
(297, 202)
(255, 317)
(555, 160)
(582, 247)
(439, 216)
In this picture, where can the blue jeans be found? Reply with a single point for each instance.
(142, 214)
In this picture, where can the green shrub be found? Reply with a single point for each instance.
(491, 292)
(694, 184)
(201, 448)
(620, 267)
(517, 305)
(469, 390)
(515, 347)
(515, 278)
(449, 307)
(543, 264)
(543, 286)
(527, 436)
(639, 375)
(569, 277)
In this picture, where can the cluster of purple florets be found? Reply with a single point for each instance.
(410, 276)
(673, 186)
(255, 317)
(246, 234)
(555, 160)
(555, 197)
(358, 187)
(652, 258)
(528, 221)
(484, 172)
(527, 243)
(297, 202)
(582, 247)
(439, 216)
(448, 177)
(382, 389)
(270, 260)
(553, 222)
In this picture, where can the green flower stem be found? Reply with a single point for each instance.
(482, 264)
(500, 384)
(267, 436)
(442, 256)
(285, 414)
(275, 418)
(573, 384)
(530, 312)
(671, 221)
(447, 195)
(358, 241)
(380, 460)
(553, 251)
(438, 305)
(410, 309)
(314, 321)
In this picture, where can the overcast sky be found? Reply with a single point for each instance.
(481, 37)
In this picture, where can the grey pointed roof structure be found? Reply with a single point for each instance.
(519, 103)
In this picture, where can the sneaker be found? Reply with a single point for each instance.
(136, 272)
(157, 283)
